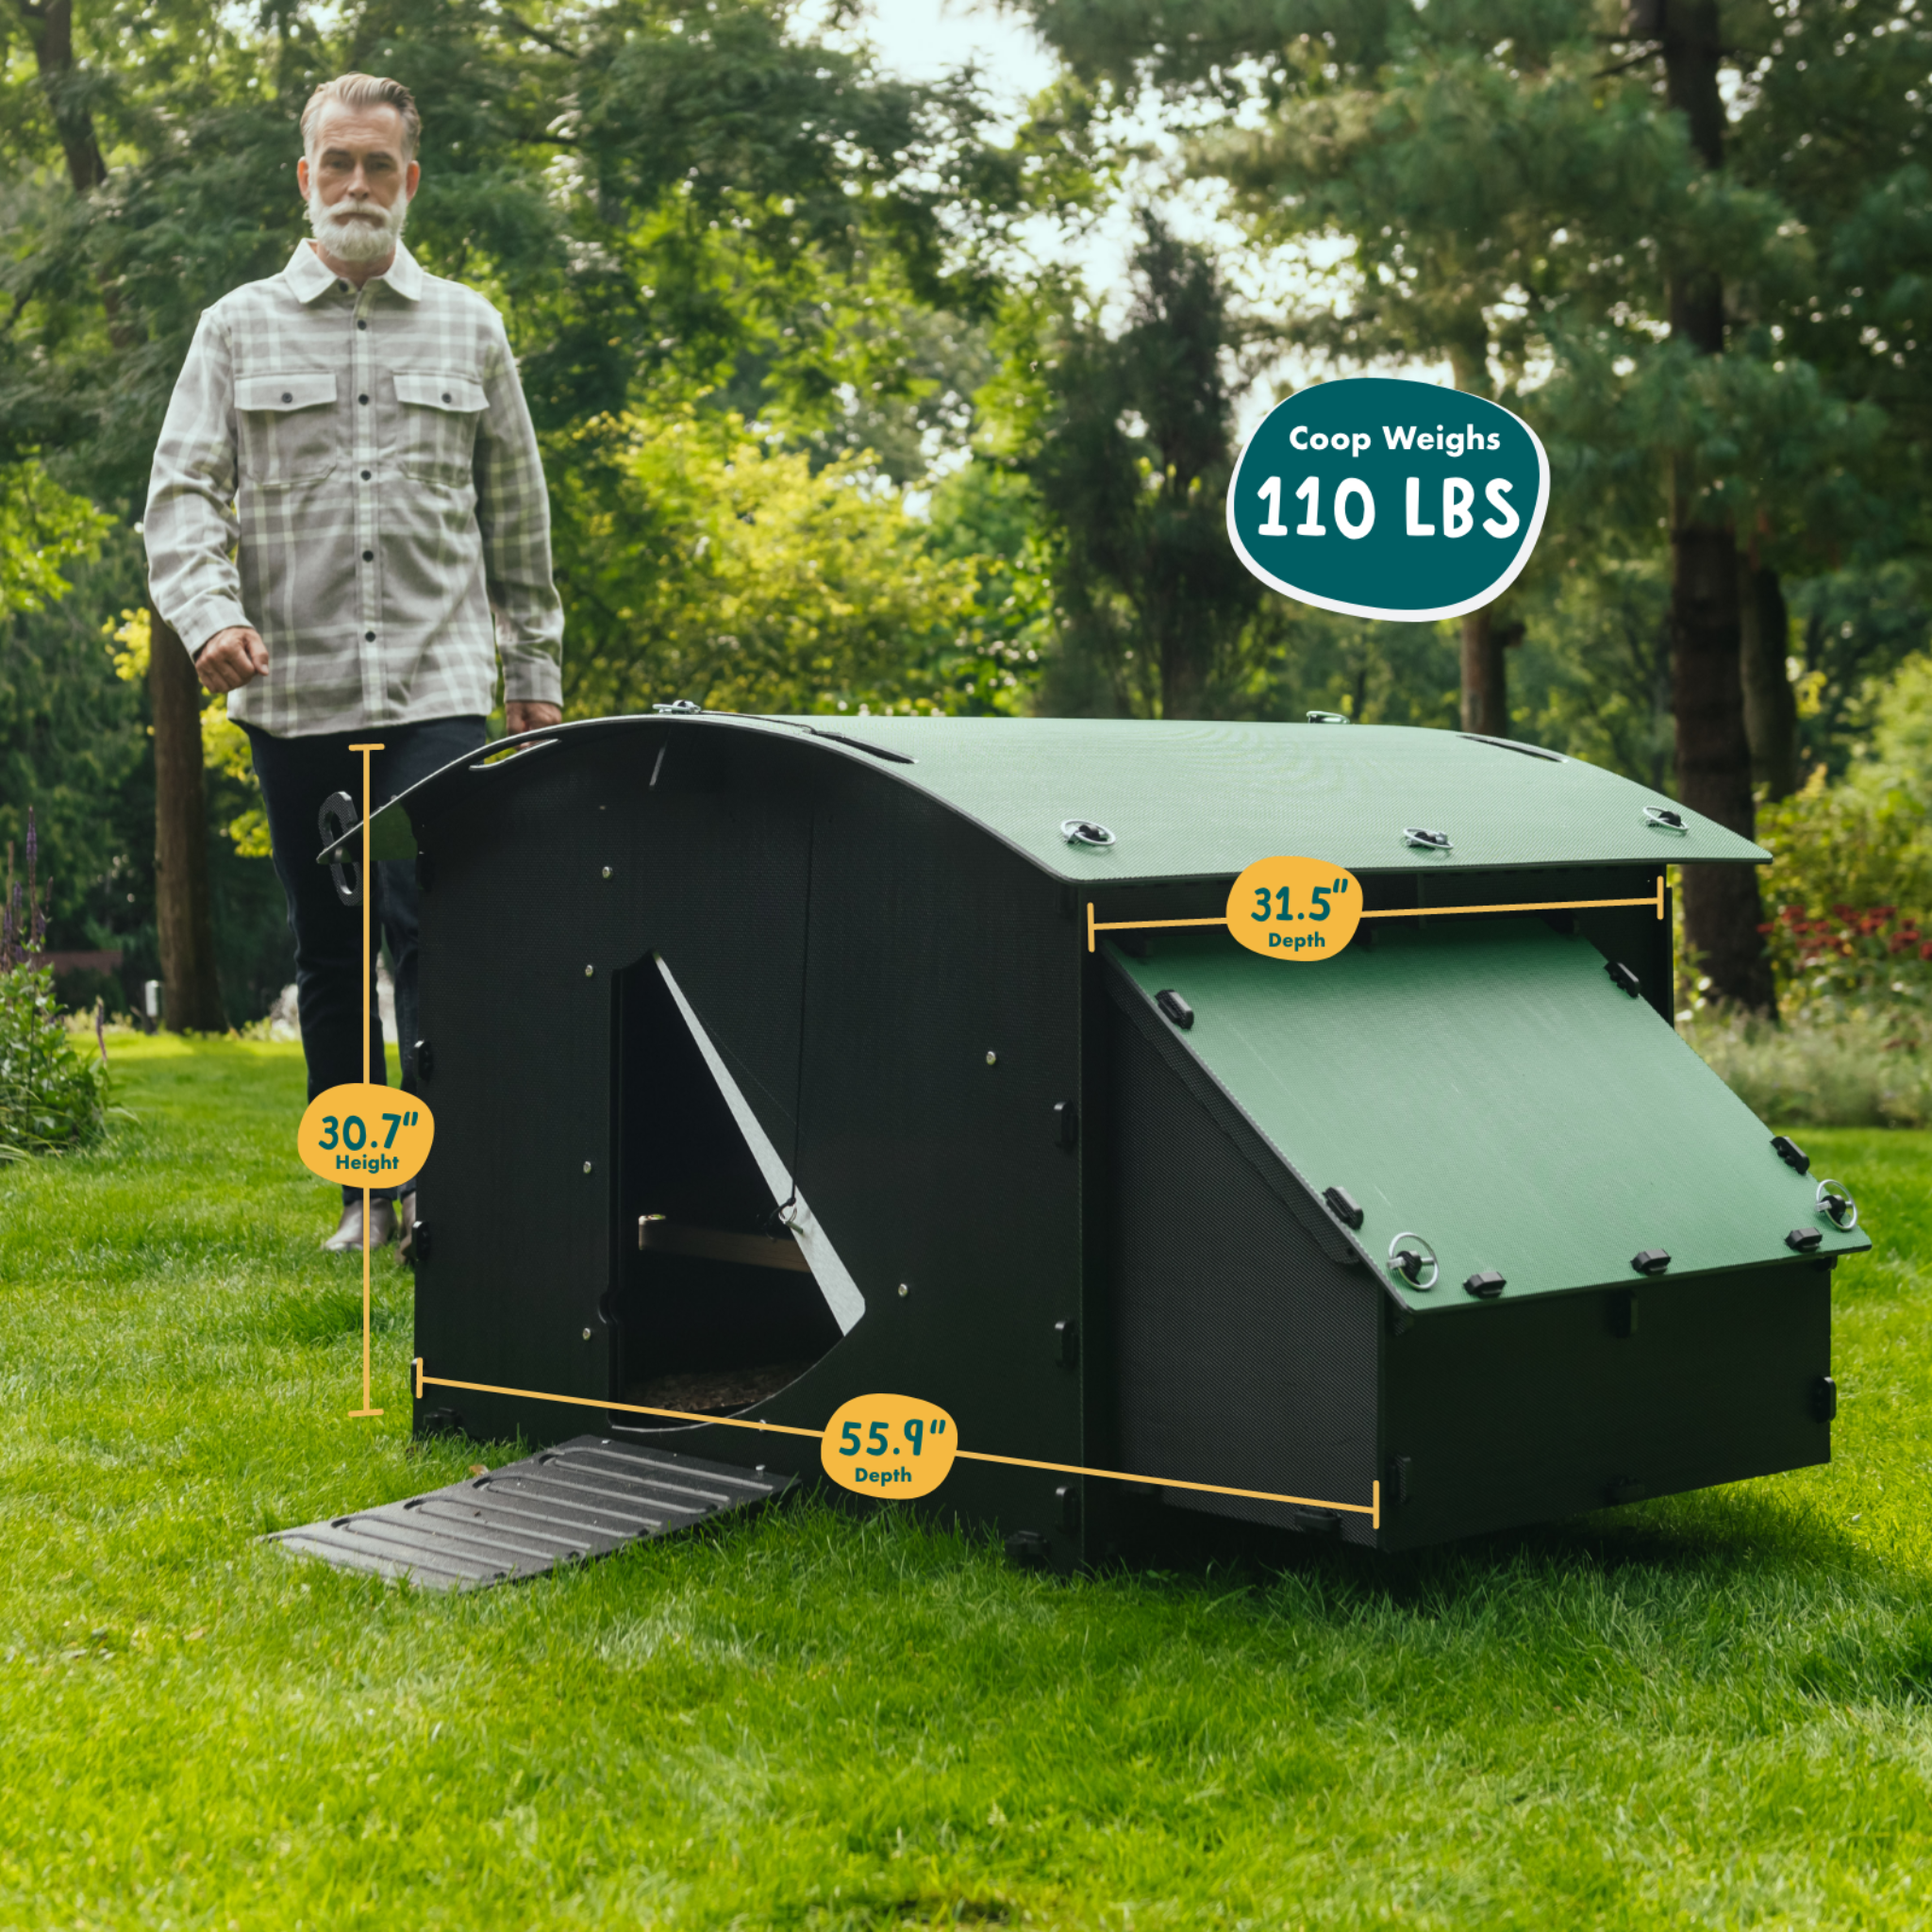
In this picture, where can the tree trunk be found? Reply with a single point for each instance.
(1181, 679)
(182, 909)
(1485, 677)
(1770, 705)
(1485, 670)
(50, 25)
(1721, 907)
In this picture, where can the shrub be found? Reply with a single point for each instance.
(1849, 957)
(1901, 748)
(1849, 893)
(50, 1096)
(1819, 1069)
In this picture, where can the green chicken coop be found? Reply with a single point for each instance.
(778, 1060)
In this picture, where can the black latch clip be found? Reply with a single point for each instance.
(1067, 1344)
(1344, 1205)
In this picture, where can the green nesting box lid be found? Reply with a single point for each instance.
(1487, 1087)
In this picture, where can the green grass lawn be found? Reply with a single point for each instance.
(1712, 1710)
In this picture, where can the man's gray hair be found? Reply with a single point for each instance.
(364, 90)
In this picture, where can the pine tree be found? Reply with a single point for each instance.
(1642, 251)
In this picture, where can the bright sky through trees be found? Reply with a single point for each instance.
(917, 44)
(920, 42)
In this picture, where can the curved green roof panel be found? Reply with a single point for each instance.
(1185, 800)
(1190, 800)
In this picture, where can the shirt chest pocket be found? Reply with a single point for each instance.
(436, 435)
(289, 431)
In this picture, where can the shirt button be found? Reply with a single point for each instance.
(369, 557)
(365, 475)
(445, 396)
(341, 285)
(361, 399)
(361, 324)
(368, 637)
(288, 396)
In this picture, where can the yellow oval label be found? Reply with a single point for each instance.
(1294, 908)
(889, 1445)
(365, 1136)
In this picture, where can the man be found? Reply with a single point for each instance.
(345, 486)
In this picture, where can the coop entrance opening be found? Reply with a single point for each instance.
(727, 1289)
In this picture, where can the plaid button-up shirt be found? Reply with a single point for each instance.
(353, 473)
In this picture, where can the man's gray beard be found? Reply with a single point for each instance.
(352, 239)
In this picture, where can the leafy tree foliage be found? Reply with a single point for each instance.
(42, 527)
(696, 217)
(1851, 632)
(74, 745)
(755, 287)
(988, 515)
(1709, 306)
(705, 564)
(74, 748)
(1126, 441)
(646, 188)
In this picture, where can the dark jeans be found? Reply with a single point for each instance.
(296, 774)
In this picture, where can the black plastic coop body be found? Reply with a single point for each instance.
(773, 1063)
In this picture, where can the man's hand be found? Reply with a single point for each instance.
(525, 714)
(231, 658)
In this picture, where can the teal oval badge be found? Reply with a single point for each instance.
(1381, 497)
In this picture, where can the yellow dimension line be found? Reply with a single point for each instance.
(1371, 1509)
(363, 880)
(677, 1415)
(1655, 900)
(1523, 906)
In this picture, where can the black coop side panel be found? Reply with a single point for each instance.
(718, 855)
(551, 875)
(1245, 1345)
(518, 1073)
(942, 1039)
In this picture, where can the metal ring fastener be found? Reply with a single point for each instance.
(1428, 840)
(1664, 820)
(1408, 1256)
(1085, 832)
(339, 814)
(1836, 1204)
